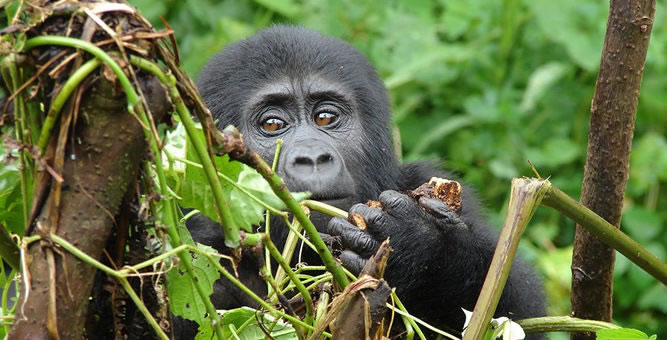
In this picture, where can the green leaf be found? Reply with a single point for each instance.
(183, 295)
(620, 334)
(241, 181)
(244, 323)
(578, 26)
(287, 8)
(540, 81)
(11, 202)
(554, 153)
(641, 223)
(648, 162)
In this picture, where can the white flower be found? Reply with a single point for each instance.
(500, 327)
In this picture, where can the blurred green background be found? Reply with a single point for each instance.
(485, 87)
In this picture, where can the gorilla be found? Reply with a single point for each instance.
(323, 98)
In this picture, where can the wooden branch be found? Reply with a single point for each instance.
(613, 112)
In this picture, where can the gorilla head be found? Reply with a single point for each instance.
(318, 94)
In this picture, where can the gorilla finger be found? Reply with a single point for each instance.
(435, 207)
(442, 212)
(352, 261)
(352, 237)
(374, 217)
(337, 226)
(360, 242)
(397, 204)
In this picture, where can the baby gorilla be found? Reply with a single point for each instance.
(326, 102)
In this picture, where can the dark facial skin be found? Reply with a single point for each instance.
(323, 98)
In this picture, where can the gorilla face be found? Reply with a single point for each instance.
(321, 97)
(318, 123)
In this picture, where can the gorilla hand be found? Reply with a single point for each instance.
(416, 231)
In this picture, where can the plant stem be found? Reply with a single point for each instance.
(407, 318)
(325, 208)
(61, 98)
(232, 238)
(563, 324)
(12, 79)
(275, 253)
(122, 279)
(606, 232)
(131, 95)
(288, 249)
(267, 219)
(525, 197)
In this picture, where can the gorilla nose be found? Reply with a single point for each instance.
(305, 164)
(312, 166)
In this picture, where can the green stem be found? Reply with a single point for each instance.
(409, 319)
(61, 98)
(216, 263)
(132, 96)
(267, 219)
(123, 281)
(325, 208)
(563, 324)
(606, 232)
(275, 253)
(129, 270)
(288, 249)
(11, 76)
(142, 308)
(232, 237)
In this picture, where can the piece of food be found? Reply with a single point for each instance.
(448, 191)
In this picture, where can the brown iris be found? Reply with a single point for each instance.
(325, 118)
(273, 124)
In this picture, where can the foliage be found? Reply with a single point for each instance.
(512, 64)
(623, 334)
(487, 86)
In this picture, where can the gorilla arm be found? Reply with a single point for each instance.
(439, 259)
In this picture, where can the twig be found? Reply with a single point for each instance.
(563, 324)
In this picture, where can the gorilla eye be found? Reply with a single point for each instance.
(273, 124)
(325, 118)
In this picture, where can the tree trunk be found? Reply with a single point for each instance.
(93, 160)
(613, 113)
(99, 168)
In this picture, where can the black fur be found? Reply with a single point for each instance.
(439, 262)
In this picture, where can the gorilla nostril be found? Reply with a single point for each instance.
(326, 158)
(303, 160)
